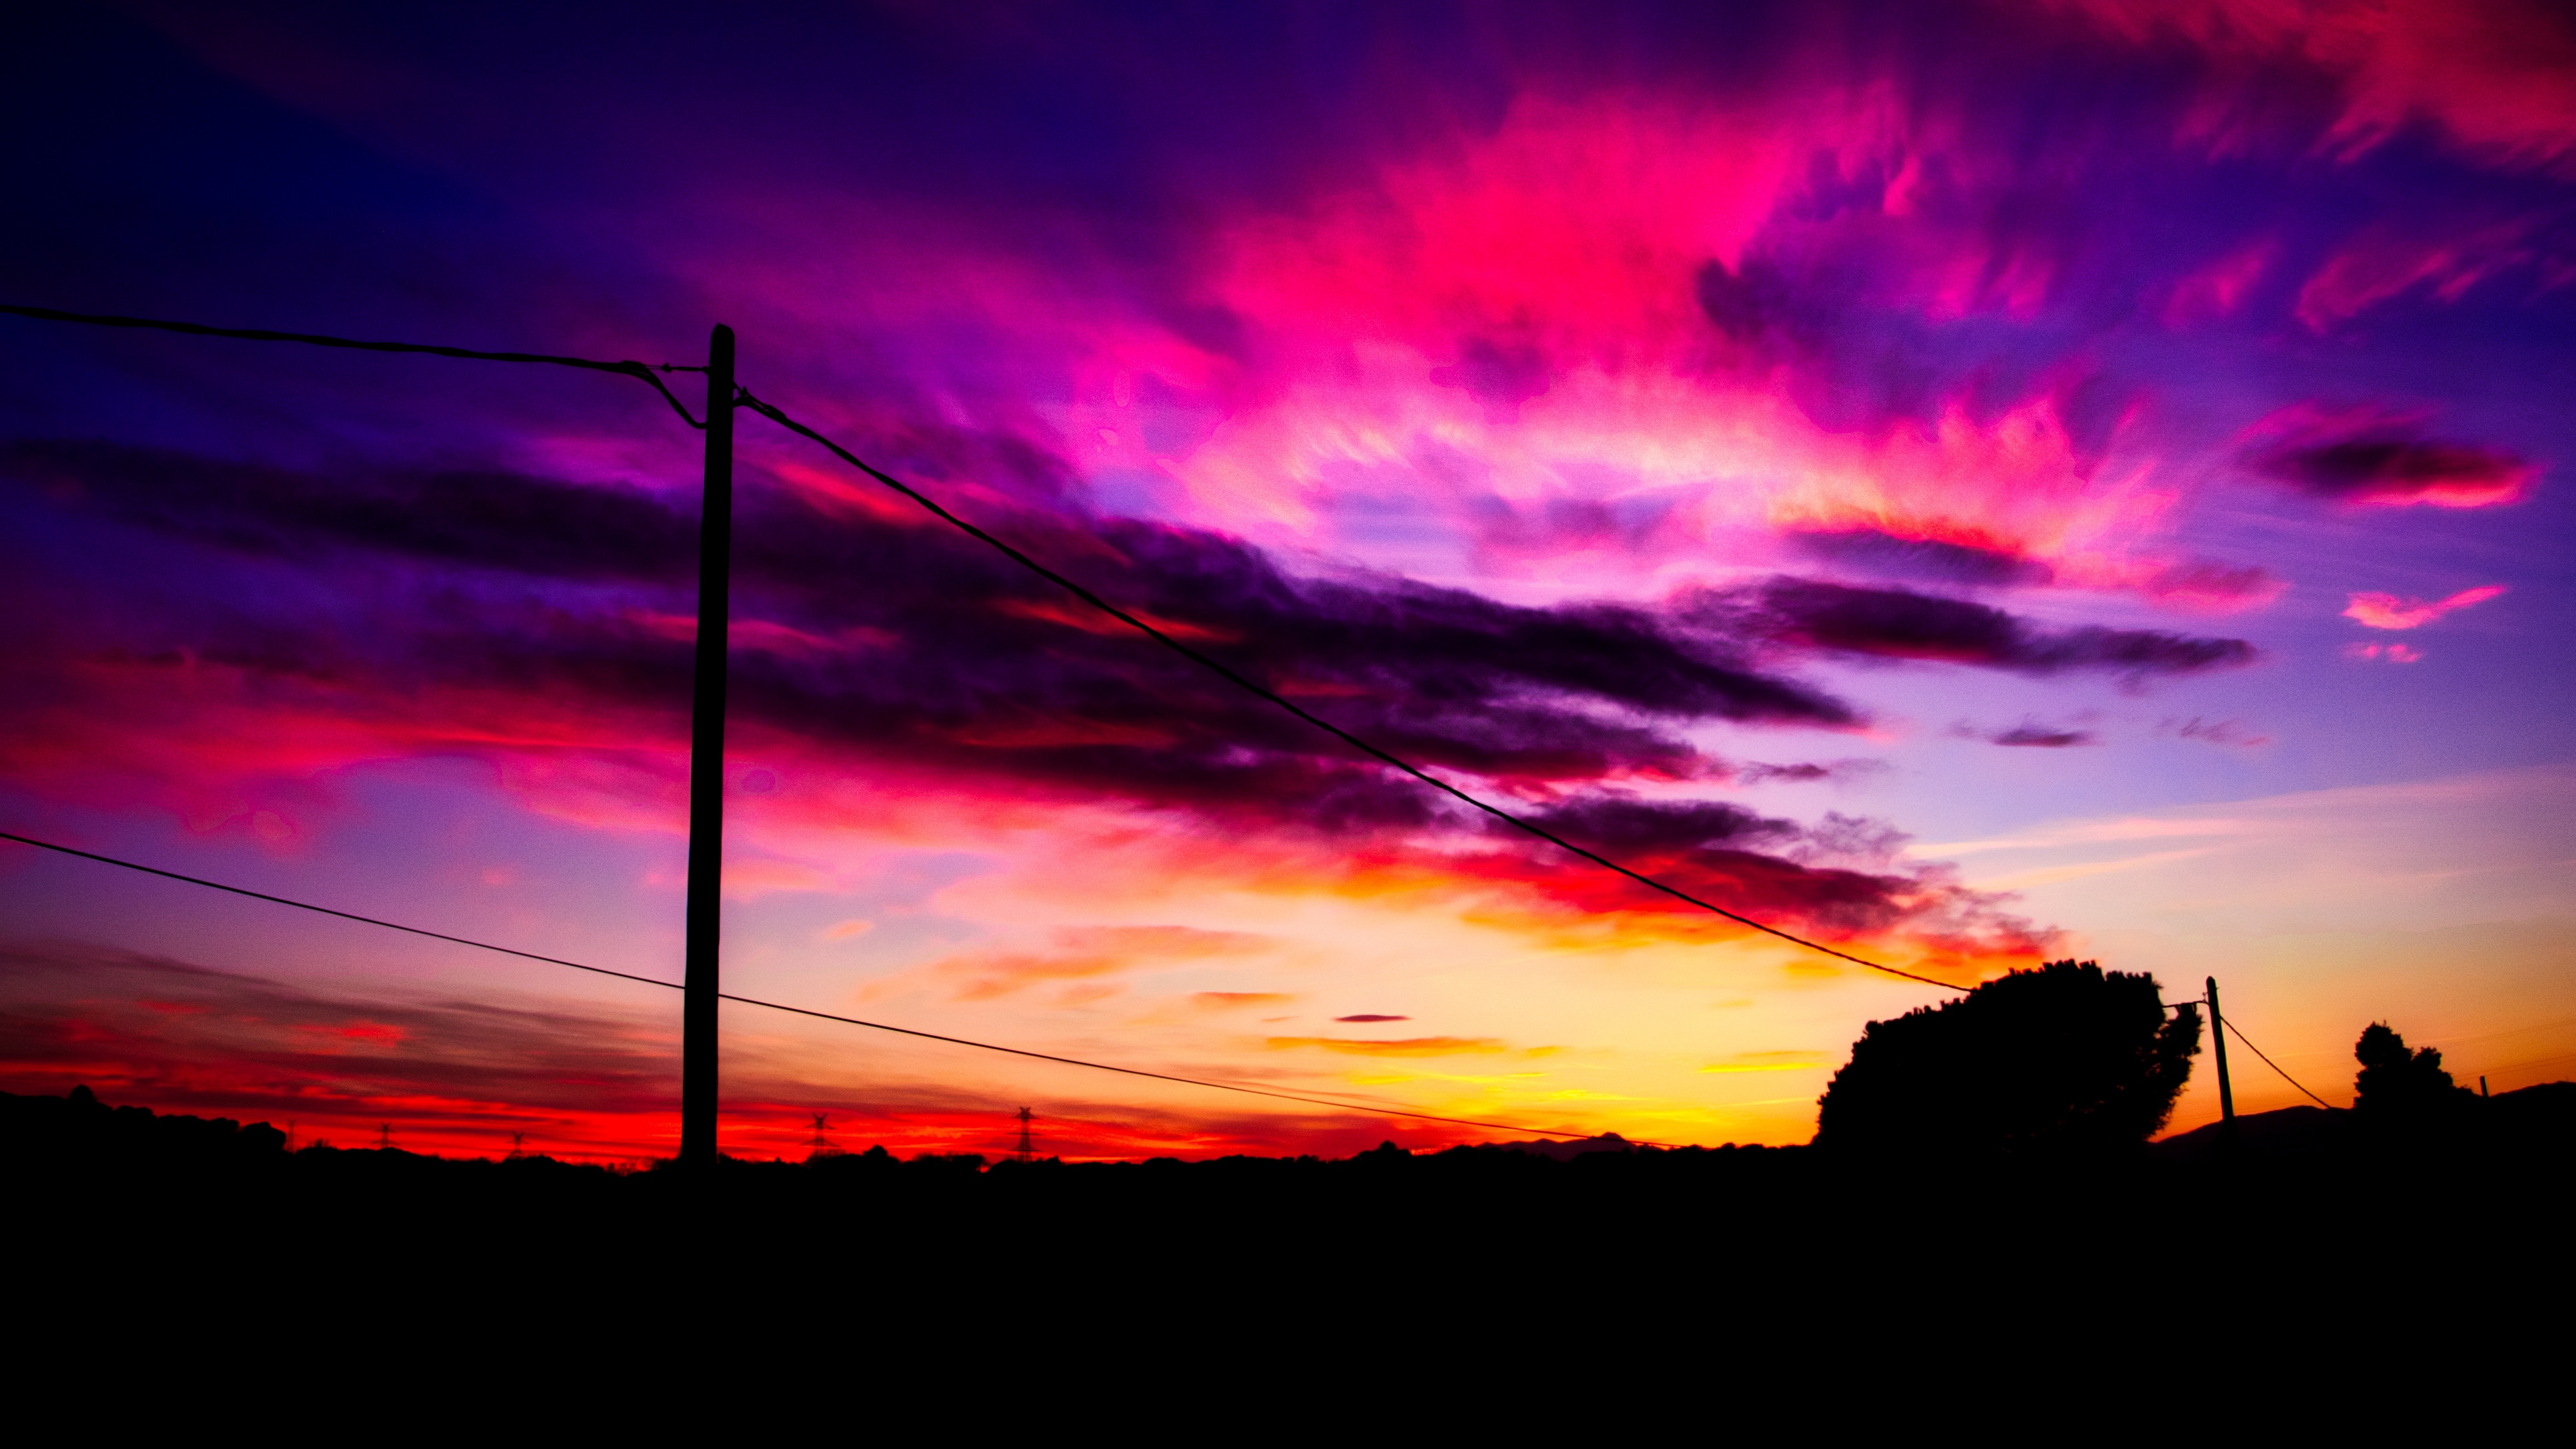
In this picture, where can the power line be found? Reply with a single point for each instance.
(645, 373)
(327, 911)
(637, 370)
(793, 1010)
(2276, 1066)
(1345, 736)
(745, 398)
(1165, 1076)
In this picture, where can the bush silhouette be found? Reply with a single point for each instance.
(2395, 1082)
(2068, 1058)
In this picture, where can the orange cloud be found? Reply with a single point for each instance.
(1418, 1046)
(750, 879)
(1228, 1000)
(1081, 952)
(2387, 611)
(1769, 1062)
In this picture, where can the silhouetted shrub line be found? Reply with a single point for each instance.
(2064, 1060)
(2060, 1069)
(76, 1137)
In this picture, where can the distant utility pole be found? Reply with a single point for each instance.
(1026, 1152)
(706, 767)
(2218, 1033)
(384, 1137)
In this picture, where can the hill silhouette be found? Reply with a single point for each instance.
(1670, 1255)
(2537, 1120)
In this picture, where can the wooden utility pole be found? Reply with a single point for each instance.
(2218, 1034)
(706, 767)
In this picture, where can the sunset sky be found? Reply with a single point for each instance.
(1975, 484)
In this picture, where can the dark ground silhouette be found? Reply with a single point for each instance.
(84, 1166)
(1760, 1275)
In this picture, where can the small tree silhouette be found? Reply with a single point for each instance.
(2067, 1058)
(2397, 1083)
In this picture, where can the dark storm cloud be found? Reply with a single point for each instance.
(2379, 466)
(481, 519)
(921, 649)
(1843, 876)
(918, 645)
(1807, 614)
(1625, 825)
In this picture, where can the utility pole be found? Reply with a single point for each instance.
(384, 1137)
(2226, 1093)
(1027, 1152)
(706, 767)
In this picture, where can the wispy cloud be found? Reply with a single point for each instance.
(1419, 1046)
(2388, 611)
(1080, 953)
(1231, 1000)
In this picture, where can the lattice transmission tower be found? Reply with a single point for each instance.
(821, 1145)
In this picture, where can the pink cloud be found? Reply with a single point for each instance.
(2392, 653)
(2387, 611)
(2219, 288)
(2498, 76)
(2386, 261)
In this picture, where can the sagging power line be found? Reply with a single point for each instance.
(2276, 1066)
(641, 371)
(1527, 827)
(1352, 1107)
(742, 396)
(707, 711)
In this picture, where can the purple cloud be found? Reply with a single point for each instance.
(1806, 614)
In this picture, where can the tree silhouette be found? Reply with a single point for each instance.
(2066, 1058)
(2397, 1083)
